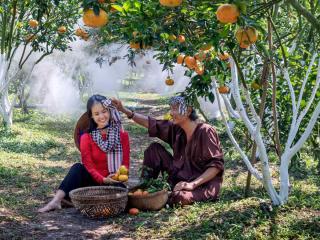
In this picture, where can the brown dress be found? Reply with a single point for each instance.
(189, 161)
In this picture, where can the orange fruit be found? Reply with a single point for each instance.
(180, 58)
(62, 30)
(246, 36)
(145, 193)
(33, 23)
(123, 178)
(206, 47)
(79, 32)
(190, 62)
(181, 39)
(138, 192)
(115, 177)
(201, 56)
(228, 13)
(199, 69)
(134, 211)
(123, 170)
(30, 37)
(170, 3)
(224, 56)
(172, 37)
(169, 81)
(223, 89)
(135, 45)
(92, 20)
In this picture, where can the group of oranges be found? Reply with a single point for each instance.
(34, 24)
(122, 174)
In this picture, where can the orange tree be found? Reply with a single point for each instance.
(28, 27)
(266, 41)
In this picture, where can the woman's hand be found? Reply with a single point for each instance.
(184, 186)
(118, 104)
(108, 180)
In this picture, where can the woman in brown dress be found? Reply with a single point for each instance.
(196, 167)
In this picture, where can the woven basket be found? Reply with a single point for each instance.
(152, 201)
(100, 201)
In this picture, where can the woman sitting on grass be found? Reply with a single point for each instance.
(104, 148)
(196, 167)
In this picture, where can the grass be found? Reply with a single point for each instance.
(37, 153)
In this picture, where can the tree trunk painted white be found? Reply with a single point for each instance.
(254, 125)
(6, 107)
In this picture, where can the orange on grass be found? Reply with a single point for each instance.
(134, 211)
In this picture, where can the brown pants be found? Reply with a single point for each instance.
(157, 159)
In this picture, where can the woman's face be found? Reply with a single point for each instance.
(100, 115)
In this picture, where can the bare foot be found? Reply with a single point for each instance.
(51, 206)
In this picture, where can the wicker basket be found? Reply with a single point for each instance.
(152, 201)
(100, 201)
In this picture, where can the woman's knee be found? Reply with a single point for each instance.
(77, 167)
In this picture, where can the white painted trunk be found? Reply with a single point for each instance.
(254, 125)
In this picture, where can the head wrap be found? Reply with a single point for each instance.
(179, 100)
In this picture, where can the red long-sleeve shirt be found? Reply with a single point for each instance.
(95, 160)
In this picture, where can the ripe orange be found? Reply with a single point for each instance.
(123, 170)
(201, 56)
(135, 45)
(172, 37)
(138, 192)
(62, 30)
(199, 69)
(190, 62)
(224, 56)
(170, 3)
(123, 178)
(33, 23)
(169, 81)
(246, 36)
(79, 32)
(95, 21)
(228, 13)
(180, 58)
(145, 193)
(206, 47)
(223, 89)
(181, 39)
(115, 177)
(134, 211)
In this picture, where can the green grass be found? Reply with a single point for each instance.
(37, 153)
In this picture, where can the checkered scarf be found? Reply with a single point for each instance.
(181, 102)
(112, 145)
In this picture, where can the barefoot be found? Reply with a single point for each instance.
(51, 206)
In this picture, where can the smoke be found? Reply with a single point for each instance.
(58, 82)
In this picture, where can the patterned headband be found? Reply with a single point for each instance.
(115, 115)
(181, 102)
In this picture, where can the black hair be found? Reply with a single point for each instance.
(193, 115)
(94, 99)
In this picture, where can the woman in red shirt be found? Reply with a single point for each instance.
(104, 148)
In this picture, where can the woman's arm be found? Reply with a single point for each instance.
(136, 117)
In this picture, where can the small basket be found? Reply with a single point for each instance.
(152, 201)
(100, 201)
